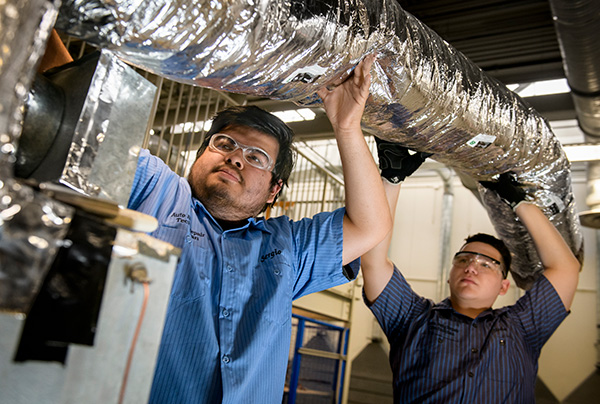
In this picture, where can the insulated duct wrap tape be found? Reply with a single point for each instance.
(425, 94)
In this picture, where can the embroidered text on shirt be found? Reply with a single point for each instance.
(270, 255)
(196, 235)
(181, 217)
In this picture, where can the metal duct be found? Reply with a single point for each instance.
(106, 108)
(577, 25)
(425, 94)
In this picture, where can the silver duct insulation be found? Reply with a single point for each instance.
(24, 30)
(425, 94)
(32, 225)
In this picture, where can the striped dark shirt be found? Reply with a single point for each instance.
(438, 355)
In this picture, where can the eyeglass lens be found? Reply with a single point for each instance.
(464, 259)
(253, 155)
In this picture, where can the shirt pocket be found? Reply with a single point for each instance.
(505, 360)
(271, 291)
(437, 350)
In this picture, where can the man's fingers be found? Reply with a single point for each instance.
(323, 92)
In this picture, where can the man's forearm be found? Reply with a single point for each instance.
(367, 219)
(377, 268)
(561, 266)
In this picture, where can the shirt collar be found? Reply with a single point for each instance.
(446, 306)
(259, 223)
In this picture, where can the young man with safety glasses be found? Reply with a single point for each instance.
(462, 350)
(228, 326)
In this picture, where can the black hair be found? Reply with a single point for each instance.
(262, 121)
(497, 244)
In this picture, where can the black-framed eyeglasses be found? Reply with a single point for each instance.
(484, 263)
(255, 156)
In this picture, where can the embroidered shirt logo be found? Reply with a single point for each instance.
(181, 217)
(184, 218)
(270, 255)
(196, 235)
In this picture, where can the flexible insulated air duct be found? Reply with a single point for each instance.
(425, 94)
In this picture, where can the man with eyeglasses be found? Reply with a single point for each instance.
(228, 326)
(461, 350)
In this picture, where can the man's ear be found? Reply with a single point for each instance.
(274, 191)
(504, 287)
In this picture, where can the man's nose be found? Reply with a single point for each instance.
(236, 158)
(471, 267)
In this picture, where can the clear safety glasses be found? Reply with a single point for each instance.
(255, 156)
(482, 262)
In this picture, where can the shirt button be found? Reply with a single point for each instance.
(188, 239)
(229, 268)
(440, 340)
(502, 342)
(277, 271)
(474, 325)
(226, 359)
(225, 313)
(474, 350)
(471, 374)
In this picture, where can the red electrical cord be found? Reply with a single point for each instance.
(134, 342)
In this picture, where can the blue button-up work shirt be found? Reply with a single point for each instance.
(228, 326)
(441, 356)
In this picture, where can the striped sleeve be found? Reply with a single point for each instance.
(397, 306)
(318, 246)
(145, 179)
(540, 312)
(157, 190)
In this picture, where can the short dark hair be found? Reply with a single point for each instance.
(497, 244)
(262, 121)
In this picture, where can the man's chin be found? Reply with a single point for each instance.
(222, 206)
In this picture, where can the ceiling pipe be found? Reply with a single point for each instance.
(577, 25)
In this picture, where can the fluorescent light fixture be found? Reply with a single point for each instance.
(546, 87)
(187, 127)
(295, 115)
(582, 152)
(292, 115)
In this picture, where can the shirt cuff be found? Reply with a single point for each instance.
(351, 270)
